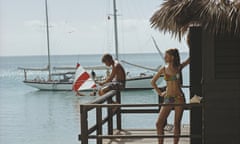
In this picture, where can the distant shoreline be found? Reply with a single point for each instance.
(85, 55)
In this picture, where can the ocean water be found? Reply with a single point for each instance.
(30, 116)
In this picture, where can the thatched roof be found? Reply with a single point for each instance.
(216, 16)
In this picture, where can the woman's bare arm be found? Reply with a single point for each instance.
(154, 80)
(186, 62)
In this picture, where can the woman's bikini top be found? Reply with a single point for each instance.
(168, 77)
(171, 77)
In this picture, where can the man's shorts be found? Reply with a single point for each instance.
(114, 86)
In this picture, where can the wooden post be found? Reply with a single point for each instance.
(203, 121)
(119, 116)
(110, 117)
(99, 124)
(195, 44)
(84, 125)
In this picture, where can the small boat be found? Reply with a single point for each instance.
(63, 81)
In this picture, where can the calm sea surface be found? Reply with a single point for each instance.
(29, 116)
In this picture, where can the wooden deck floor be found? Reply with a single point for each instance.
(185, 130)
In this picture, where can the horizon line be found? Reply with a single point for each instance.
(82, 54)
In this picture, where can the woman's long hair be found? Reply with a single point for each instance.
(176, 58)
(176, 61)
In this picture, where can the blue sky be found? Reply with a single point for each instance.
(79, 27)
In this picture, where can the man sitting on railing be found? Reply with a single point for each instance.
(116, 80)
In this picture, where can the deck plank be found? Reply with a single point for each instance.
(185, 131)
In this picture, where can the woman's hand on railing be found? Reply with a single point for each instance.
(162, 94)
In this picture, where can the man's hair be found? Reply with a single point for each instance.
(107, 57)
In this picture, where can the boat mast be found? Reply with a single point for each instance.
(115, 28)
(48, 45)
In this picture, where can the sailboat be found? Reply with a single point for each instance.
(64, 83)
(64, 80)
(56, 81)
(141, 81)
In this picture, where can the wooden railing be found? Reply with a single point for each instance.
(106, 101)
(98, 105)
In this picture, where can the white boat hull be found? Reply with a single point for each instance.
(53, 86)
(139, 83)
(131, 83)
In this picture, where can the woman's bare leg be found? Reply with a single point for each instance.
(163, 114)
(177, 122)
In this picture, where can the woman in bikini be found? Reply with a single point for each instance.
(173, 93)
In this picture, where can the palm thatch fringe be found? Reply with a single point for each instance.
(216, 16)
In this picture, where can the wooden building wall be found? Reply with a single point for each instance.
(220, 85)
(221, 88)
